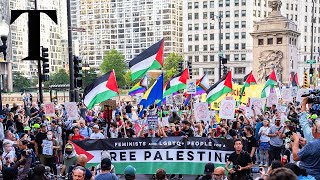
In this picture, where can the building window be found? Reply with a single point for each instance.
(227, 35)
(236, 13)
(211, 36)
(236, 24)
(260, 41)
(189, 37)
(209, 71)
(243, 13)
(196, 5)
(196, 37)
(205, 26)
(270, 41)
(205, 4)
(227, 25)
(189, 5)
(196, 58)
(243, 2)
(196, 26)
(236, 2)
(211, 47)
(190, 58)
(236, 57)
(205, 47)
(189, 16)
(236, 35)
(205, 15)
(205, 37)
(227, 46)
(211, 58)
(279, 40)
(239, 70)
(243, 57)
(205, 58)
(243, 35)
(190, 48)
(190, 27)
(211, 4)
(220, 3)
(243, 24)
(196, 15)
(227, 14)
(243, 45)
(196, 48)
(236, 46)
(227, 3)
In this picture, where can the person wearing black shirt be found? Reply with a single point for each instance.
(235, 130)
(129, 131)
(241, 162)
(129, 110)
(175, 130)
(39, 139)
(186, 129)
(251, 142)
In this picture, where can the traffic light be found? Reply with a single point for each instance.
(311, 72)
(225, 70)
(190, 69)
(45, 63)
(77, 66)
(305, 80)
(180, 67)
(224, 61)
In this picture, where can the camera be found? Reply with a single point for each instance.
(236, 167)
(26, 152)
(255, 169)
(314, 100)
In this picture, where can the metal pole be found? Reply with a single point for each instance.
(71, 70)
(220, 48)
(39, 67)
(312, 26)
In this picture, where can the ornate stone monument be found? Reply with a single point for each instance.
(275, 45)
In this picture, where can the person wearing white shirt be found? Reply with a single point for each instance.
(96, 133)
(264, 142)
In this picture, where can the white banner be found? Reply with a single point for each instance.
(227, 108)
(72, 110)
(201, 112)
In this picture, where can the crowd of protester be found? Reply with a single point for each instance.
(286, 141)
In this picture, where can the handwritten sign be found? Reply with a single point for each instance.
(178, 99)
(227, 108)
(286, 95)
(152, 122)
(294, 91)
(47, 148)
(257, 104)
(191, 86)
(49, 109)
(272, 99)
(72, 110)
(169, 100)
(201, 112)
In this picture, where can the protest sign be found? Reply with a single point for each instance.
(300, 93)
(191, 86)
(178, 99)
(243, 109)
(227, 108)
(177, 154)
(47, 147)
(201, 112)
(294, 91)
(72, 110)
(49, 109)
(152, 122)
(286, 95)
(272, 99)
(257, 104)
(169, 100)
(229, 98)
(278, 93)
(164, 121)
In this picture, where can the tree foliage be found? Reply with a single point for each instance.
(113, 59)
(20, 83)
(88, 77)
(171, 64)
(59, 77)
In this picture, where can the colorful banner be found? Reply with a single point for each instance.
(176, 155)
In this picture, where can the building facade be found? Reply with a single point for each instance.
(201, 33)
(129, 27)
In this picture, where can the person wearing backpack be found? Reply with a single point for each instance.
(85, 131)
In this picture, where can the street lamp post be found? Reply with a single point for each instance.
(312, 26)
(4, 31)
(220, 44)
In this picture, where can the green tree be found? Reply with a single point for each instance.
(60, 77)
(128, 80)
(20, 83)
(113, 59)
(171, 64)
(88, 77)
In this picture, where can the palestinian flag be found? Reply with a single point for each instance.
(150, 59)
(248, 80)
(271, 82)
(294, 79)
(223, 86)
(102, 89)
(176, 83)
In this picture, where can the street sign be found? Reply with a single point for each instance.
(312, 61)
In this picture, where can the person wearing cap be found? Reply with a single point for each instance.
(186, 129)
(309, 155)
(39, 139)
(69, 158)
(130, 173)
(36, 128)
(106, 171)
(208, 171)
(29, 137)
(96, 133)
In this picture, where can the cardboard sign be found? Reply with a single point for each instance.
(169, 100)
(72, 110)
(178, 99)
(47, 147)
(152, 122)
(111, 103)
(300, 93)
(201, 112)
(294, 91)
(49, 109)
(286, 95)
(272, 99)
(191, 86)
(227, 108)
